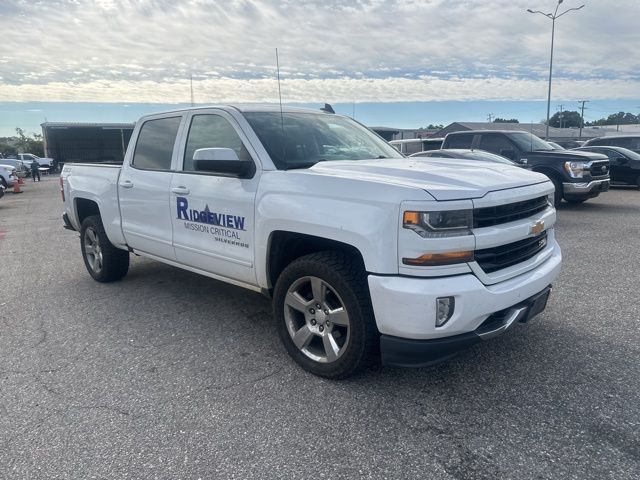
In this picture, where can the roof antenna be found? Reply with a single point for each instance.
(327, 108)
(191, 85)
(280, 99)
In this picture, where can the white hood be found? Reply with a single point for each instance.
(444, 179)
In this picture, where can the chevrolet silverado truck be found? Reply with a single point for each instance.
(365, 253)
(576, 176)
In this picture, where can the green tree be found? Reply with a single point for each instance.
(505, 120)
(30, 144)
(8, 150)
(620, 118)
(565, 119)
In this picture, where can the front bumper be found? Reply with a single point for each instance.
(405, 307)
(585, 189)
(404, 352)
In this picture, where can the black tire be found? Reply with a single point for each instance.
(638, 182)
(114, 262)
(559, 192)
(3, 182)
(345, 276)
(575, 200)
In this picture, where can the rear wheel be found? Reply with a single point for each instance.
(324, 315)
(3, 182)
(104, 262)
(638, 182)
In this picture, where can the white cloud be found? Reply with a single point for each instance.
(368, 50)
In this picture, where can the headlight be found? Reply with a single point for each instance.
(551, 199)
(575, 169)
(446, 223)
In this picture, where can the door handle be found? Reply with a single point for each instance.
(180, 190)
(126, 184)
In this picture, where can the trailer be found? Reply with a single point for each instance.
(68, 142)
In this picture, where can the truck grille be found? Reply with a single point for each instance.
(490, 216)
(600, 169)
(497, 258)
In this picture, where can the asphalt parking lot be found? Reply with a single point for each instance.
(167, 374)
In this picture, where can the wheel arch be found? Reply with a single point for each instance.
(84, 208)
(286, 246)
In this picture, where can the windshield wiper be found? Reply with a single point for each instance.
(296, 166)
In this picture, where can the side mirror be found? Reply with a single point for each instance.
(224, 161)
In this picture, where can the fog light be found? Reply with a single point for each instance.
(444, 309)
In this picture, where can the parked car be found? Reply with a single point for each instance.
(624, 164)
(21, 169)
(362, 250)
(577, 176)
(415, 145)
(7, 175)
(631, 142)
(30, 157)
(468, 154)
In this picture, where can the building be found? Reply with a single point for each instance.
(403, 133)
(68, 142)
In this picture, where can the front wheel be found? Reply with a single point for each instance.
(104, 262)
(324, 315)
(557, 195)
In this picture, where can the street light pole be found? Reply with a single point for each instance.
(552, 16)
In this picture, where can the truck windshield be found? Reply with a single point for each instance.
(528, 142)
(310, 138)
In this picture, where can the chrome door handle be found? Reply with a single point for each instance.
(126, 184)
(180, 190)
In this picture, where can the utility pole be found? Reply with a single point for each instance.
(490, 117)
(561, 116)
(582, 117)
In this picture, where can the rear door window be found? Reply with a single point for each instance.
(459, 141)
(495, 143)
(154, 147)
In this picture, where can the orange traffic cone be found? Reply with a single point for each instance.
(20, 180)
(16, 187)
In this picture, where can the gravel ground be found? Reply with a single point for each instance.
(168, 374)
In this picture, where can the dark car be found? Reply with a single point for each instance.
(577, 176)
(467, 154)
(624, 164)
(631, 142)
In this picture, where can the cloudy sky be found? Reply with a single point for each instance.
(330, 50)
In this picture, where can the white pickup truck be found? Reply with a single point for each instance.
(363, 251)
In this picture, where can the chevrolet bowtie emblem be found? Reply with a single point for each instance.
(537, 227)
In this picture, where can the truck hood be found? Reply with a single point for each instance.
(568, 155)
(443, 179)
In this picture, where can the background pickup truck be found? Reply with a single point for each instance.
(363, 250)
(576, 176)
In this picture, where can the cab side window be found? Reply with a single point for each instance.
(154, 147)
(212, 131)
(495, 143)
(460, 141)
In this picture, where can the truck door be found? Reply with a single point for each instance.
(213, 214)
(144, 188)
